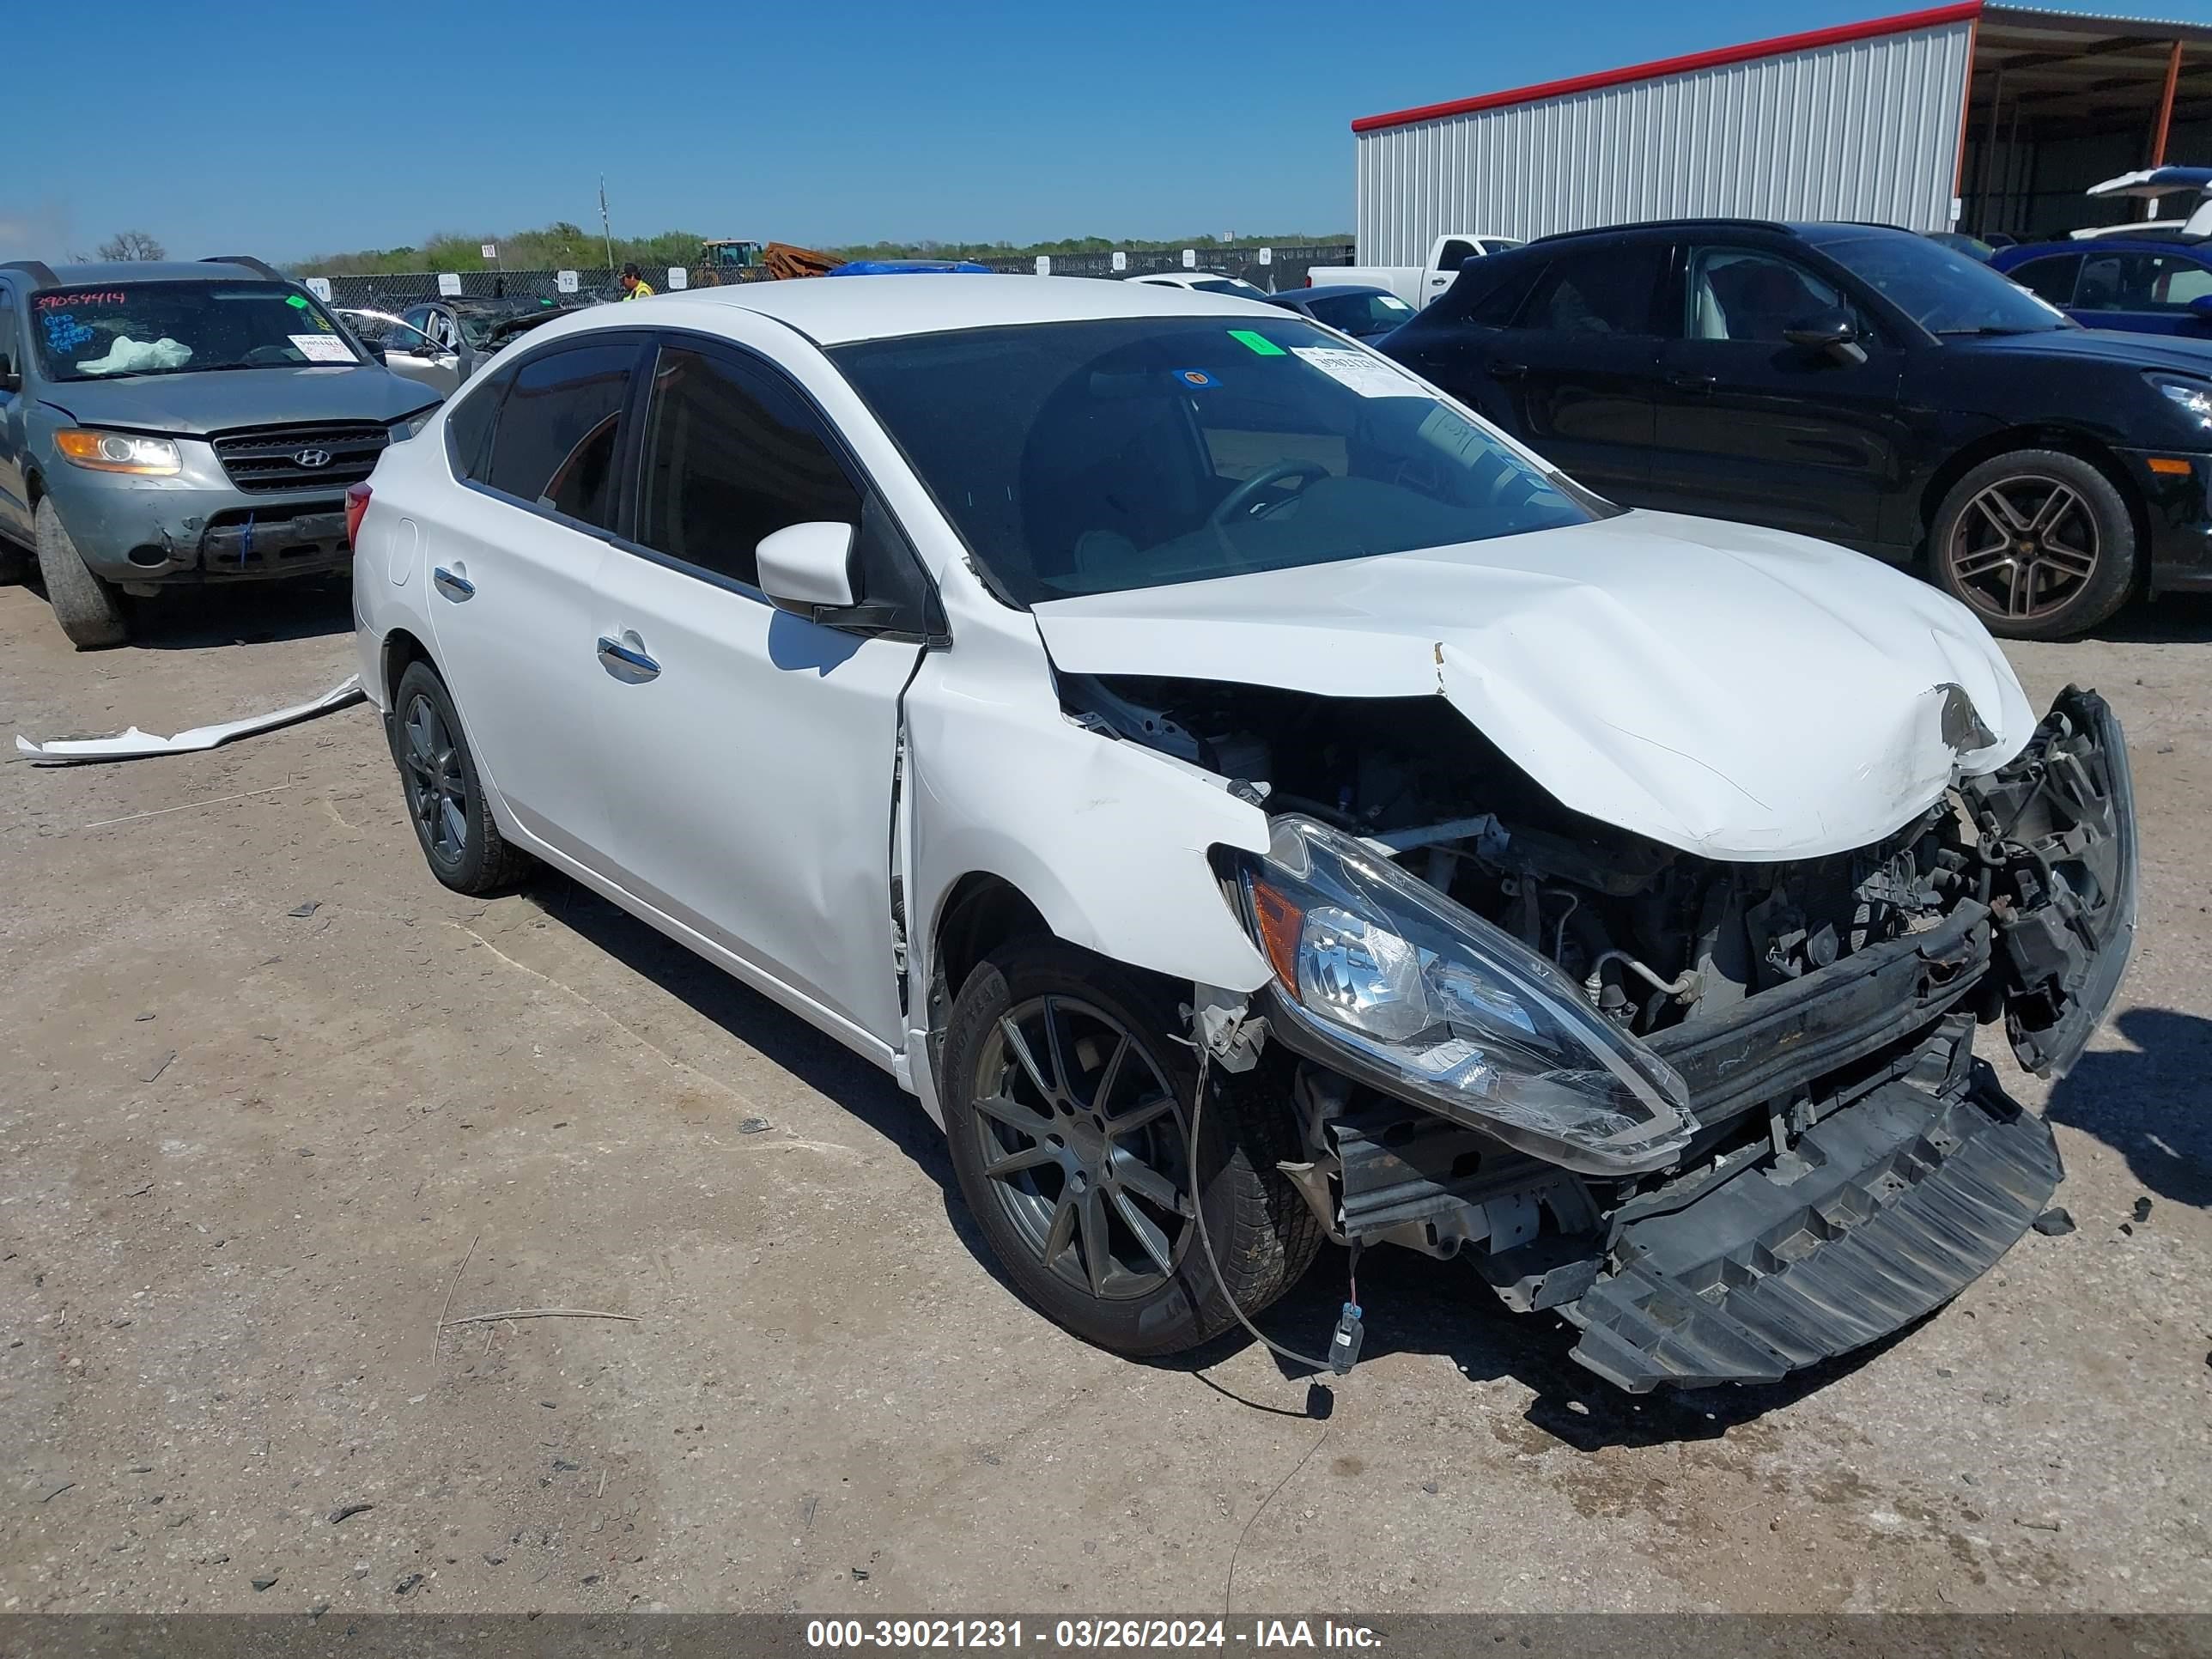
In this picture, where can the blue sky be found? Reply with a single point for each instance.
(282, 129)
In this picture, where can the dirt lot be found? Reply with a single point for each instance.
(244, 1152)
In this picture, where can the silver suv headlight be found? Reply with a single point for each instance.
(1385, 979)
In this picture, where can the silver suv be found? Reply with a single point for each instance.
(179, 423)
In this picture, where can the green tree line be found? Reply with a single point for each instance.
(561, 247)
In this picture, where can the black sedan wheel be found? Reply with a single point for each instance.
(2038, 543)
(454, 823)
(1067, 1107)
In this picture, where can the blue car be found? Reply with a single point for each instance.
(2150, 278)
(2154, 283)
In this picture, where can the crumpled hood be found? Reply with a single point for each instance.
(1735, 692)
(220, 399)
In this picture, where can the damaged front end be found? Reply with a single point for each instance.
(1723, 1118)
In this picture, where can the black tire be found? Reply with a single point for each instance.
(437, 779)
(90, 611)
(1991, 549)
(1264, 1236)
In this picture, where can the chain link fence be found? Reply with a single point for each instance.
(1280, 268)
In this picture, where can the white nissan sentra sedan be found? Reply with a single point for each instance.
(1251, 802)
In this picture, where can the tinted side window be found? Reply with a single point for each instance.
(2138, 282)
(730, 455)
(8, 350)
(554, 443)
(1599, 290)
(1455, 253)
(2050, 277)
(470, 423)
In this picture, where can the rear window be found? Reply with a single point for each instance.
(555, 440)
(122, 331)
(1599, 290)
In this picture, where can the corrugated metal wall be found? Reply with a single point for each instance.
(1866, 129)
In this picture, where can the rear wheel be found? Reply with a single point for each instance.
(1067, 1106)
(453, 823)
(90, 611)
(2038, 543)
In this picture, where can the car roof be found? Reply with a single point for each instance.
(91, 273)
(929, 302)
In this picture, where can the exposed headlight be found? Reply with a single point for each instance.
(402, 430)
(1382, 976)
(2194, 398)
(119, 452)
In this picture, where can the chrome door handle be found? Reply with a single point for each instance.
(625, 663)
(453, 586)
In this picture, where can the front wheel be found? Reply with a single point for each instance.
(1067, 1106)
(89, 610)
(2038, 543)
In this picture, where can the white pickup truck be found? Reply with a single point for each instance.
(1419, 284)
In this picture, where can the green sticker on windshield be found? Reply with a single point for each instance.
(294, 299)
(1255, 342)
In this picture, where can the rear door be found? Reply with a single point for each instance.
(513, 567)
(1579, 366)
(1752, 428)
(751, 753)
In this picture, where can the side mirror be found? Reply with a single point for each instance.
(808, 568)
(1831, 331)
(2201, 307)
(374, 348)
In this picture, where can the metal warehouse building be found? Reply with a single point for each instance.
(1984, 117)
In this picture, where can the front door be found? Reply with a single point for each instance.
(1579, 368)
(1752, 428)
(750, 753)
(513, 566)
(2142, 292)
(412, 350)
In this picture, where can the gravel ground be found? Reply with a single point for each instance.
(248, 1156)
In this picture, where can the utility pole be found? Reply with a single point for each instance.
(606, 227)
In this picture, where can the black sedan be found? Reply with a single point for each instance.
(1864, 385)
(1354, 308)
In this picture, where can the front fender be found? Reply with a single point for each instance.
(1108, 839)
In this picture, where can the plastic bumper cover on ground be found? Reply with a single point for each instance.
(1878, 1215)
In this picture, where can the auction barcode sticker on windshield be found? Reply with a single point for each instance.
(1369, 376)
(323, 348)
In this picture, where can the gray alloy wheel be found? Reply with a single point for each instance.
(1066, 1100)
(2040, 543)
(1083, 1147)
(446, 798)
(437, 791)
(2025, 547)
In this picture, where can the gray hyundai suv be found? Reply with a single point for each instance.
(164, 423)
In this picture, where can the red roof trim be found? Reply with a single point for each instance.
(1904, 23)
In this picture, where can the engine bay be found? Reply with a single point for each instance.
(1657, 938)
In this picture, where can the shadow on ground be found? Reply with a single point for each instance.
(2149, 1102)
(242, 613)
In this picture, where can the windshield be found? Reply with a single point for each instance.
(1098, 457)
(1362, 315)
(110, 331)
(1942, 290)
